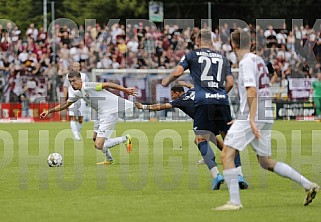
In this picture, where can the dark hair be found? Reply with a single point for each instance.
(204, 35)
(177, 89)
(74, 74)
(241, 39)
(255, 48)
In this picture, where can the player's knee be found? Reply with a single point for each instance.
(265, 164)
(99, 145)
(198, 140)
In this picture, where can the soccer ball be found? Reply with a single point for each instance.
(54, 160)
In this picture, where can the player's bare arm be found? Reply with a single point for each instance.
(229, 83)
(154, 107)
(175, 74)
(274, 78)
(58, 108)
(185, 84)
(252, 103)
(128, 91)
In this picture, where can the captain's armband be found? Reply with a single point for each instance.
(99, 86)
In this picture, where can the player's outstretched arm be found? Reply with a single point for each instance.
(175, 74)
(128, 91)
(58, 108)
(274, 78)
(185, 84)
(154, 107)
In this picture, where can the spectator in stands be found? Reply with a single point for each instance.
(136, 46)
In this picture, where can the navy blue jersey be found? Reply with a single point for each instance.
(209, 70)
(185, 103)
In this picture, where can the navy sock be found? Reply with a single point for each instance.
(207, 153)
(237, 159)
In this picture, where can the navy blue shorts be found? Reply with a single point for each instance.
(213, 118)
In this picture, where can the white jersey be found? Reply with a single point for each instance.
(254, 73)
(101, 100)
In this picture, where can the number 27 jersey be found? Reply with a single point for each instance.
(209, 70)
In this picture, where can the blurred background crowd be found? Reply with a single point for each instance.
(33, 64)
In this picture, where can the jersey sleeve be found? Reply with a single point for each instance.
(66, 82)
(184, 100)
(247, 71)
(184, 62)
(93, 85)
(177, 102)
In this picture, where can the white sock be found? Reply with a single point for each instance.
(108, 154)
(285, 170)
(79, 126)
(74, 129)
(231, 178)
(109, 143)
(214, 172)
(239, 169)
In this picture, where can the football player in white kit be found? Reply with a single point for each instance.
(253, 124)
(107, 106)
(76, 110)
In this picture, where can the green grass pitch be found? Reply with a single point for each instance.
(158, 181)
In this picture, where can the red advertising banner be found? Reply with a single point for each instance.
(13, 111)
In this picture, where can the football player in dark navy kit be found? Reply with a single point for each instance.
(185, 102)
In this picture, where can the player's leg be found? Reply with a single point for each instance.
(202, 126)
(73, 126)
(72, 112)
(223, 115)
(109, 157)
(231, 178)
(216, 140)
(263, 150)
(99, 137)
(317, 104)
(81, 112)
(111, 142)
(239, 135)
(287, 171)
(79, 123)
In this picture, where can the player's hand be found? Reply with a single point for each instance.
(255, 131)
(44, 114)
(231, 122)
(131, 91)
(165, 82)
(138, 105)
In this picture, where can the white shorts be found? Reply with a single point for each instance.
(105, 125)
(77, 108)
(240, 135)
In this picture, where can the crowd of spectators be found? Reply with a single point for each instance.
(30, 54)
